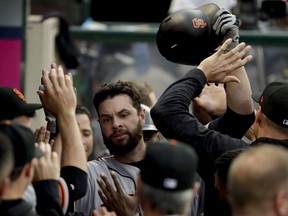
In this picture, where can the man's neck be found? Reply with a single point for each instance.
(272, 134)
(13, 190)
(135, 155)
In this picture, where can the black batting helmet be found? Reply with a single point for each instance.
(186, 36)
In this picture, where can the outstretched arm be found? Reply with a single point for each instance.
(171, 112)
(59, 98)
(238, 95)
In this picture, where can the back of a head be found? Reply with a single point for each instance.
(6, 156)
(256, 176)
(168, 176)
(223, 163)
(274, 102)
(13, 104)
(23, 142)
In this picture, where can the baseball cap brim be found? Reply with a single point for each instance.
(32, 107)
(256, 96)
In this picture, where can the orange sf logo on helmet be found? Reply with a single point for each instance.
(199, 23)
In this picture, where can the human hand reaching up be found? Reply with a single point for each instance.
(210, 103)
(118, 201)
(58, 95)
(47, 166)
(217, 67)
(42, 135)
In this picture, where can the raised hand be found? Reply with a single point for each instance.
(217, 67)
(210, 103)
(118, 201)
(47, 166)
(42, 135)
(58, 95)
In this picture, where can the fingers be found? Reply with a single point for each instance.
(95, 213)
(55, 77)
(117, 182)
(224, 46)
(53, 65)
(107, 190)
(47, 166)
(234, 57)
(42, 135)
(46, 148)
(231, 79)
(54, 158)
(69, 79)
(104, 212)
(46, 80)
(238, 52)
(108, 185)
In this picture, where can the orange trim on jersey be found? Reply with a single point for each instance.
(64, 194)
(172, 141)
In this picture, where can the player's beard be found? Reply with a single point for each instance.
(133, 140)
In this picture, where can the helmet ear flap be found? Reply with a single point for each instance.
(186, 36)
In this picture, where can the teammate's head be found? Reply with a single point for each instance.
(167, 180)
(150, 132)
(14, 106)
(258, 181)
(272, 112)
(120, 116)
(83, 117)
(6, 157)
(274, 102)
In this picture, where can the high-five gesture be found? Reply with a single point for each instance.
(217, 67)
(58, 94)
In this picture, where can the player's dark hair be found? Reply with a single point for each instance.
(109, 90)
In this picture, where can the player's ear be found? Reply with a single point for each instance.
(196, 187)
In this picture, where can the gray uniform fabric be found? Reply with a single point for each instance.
(126, 174)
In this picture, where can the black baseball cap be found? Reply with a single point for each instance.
(169, 165)
(274, 102)
(13, 104)
(23, 141)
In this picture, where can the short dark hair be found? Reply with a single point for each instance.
(6, 156)
(145, 89)
(223, 163)
(80, 109)
(109, 90)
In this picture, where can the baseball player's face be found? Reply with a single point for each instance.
(120, 123)
(86, 132)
